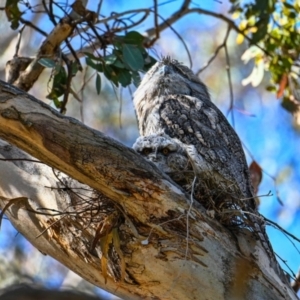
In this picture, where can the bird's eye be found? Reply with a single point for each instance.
(146, 151)
(165, 151)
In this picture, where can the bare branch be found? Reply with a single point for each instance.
(48, 50)
(30, 24)
(183, 10)
(19, 41)
(215, 53)
(229, 82)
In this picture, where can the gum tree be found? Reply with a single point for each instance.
(94, 204)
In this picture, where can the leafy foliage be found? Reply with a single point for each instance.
(13, 13)
(274, 30)
(270, 26)
(58, 86)
(122, 66)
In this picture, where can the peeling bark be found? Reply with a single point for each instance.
(171, 250)
(24, 78)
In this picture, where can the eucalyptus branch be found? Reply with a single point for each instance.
(184, 10)
(216, 52)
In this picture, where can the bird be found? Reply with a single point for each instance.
(168, 155)
(171, 157)
(172, 100)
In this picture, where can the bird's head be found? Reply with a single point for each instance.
(169, 77)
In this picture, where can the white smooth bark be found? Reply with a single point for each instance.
(205, 261)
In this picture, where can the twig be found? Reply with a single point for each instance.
(229, 22)
(117, 16)
(48, 227)
(68, 85)
(216, 52)
(29, 24)
(82, 89)
(284, 261)
(99, 7)
(50, 14)
(114, 17)
(182, 41)
(265, 172)
(10, 203)
(156, 19)
(21, 159)
(120, 108)
(282, 229)
(230, 83)
(183, 10)
(19, 41)
(188, 217)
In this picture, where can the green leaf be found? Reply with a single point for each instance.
(47, 62)
(124, 77)
(56, 102)
(261, 5)
(97, 67)
(133, 57)
(271, 88)
(74, 68)
(110, 59)
(13, 13)
(90, 63)
(133, 37)
(111, 74)
(143, 50)
(262, 29)
(292, 15)
(93, 57)
(98, 83)
(119, 64)
(117, 42)
(136, 78)
(288, 5)
(58, 86)
(149, 61)
(289, 105)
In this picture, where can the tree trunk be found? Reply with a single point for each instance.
(171, 249)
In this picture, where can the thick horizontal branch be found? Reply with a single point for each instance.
(83, 153)
(47, 50)
(166, 257)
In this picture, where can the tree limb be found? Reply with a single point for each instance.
(160, 262)
(48, 50)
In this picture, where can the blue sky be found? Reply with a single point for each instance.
(266, 129)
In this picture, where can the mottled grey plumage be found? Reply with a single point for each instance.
(172, 100)
(168, 155)
(171, 157)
